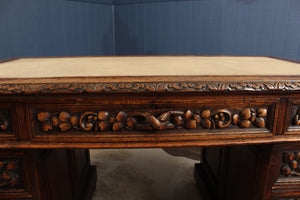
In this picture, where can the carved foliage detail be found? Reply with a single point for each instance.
(9, 173)
(131, 121)
(62, 120)
(291, 164)
(186, 86)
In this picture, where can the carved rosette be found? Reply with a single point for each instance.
(290, 164)
(9, 173)
(169, 120)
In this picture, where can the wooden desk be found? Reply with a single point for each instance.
(243, 110)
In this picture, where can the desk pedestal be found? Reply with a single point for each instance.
(261, 172)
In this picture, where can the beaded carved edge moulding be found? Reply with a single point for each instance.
(131, 87)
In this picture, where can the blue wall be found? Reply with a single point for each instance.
(142, 27)
(228, 27)
(54, 28)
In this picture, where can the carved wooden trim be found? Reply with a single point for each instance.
(119, 87)
(9, 173)
(142, 121)
(290, 165)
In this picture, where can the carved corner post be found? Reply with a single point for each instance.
(234, 173)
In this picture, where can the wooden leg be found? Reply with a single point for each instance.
(234, 173)
(57, 174)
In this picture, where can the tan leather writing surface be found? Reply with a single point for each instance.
(146, 66)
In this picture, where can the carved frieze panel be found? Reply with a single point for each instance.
(9, 174)
(145, 120)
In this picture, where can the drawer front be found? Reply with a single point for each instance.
(91, 120)
(180, 118)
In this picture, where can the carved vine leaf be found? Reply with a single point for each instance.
(9, 173)
(133, 121)
(186, 86)
(291, 164)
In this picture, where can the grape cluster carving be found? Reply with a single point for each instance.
(64, 121)
(135, 120)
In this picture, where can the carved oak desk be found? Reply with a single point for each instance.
(243, 110)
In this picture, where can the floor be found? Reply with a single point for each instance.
(143, 174)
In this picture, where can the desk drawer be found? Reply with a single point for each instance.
(112, 121)
(146, 118)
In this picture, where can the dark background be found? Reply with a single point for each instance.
(33, 28)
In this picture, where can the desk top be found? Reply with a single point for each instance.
(146, 66)
(147, 74)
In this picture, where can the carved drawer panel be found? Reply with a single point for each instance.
(10, 177)
(293, 123)
(15, 175)
(106, 121)
(290, 166)
(287, 184)
(6, 124)
(171, 118)
(294, 120)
